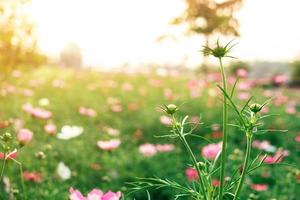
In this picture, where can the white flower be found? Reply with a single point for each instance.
(68, 132)
(63, 171)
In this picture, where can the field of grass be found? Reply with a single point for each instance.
(126, 109)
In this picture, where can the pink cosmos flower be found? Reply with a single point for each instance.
(279, 79)
(210, 151)
(111, 196)
(278, 156)
(112, 131)
(76, 195)
(95, 194)
(297, 138)
(242, 73)
(87, 111)
(191, 174)
(24, 136)
(37, 112)
(11, 155)
(165, 120)
(216, 182)
(147, 149)
(50, 128)
(263, 145)
(109, 145)
(165, 147)
(259, 187)
(32, 176)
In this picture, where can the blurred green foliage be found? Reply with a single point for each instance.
(18, 44)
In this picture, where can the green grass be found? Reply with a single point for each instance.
(91, 89)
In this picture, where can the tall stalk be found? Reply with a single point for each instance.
(3, 165)
(245, 166)
(224, 140)
(193, 158)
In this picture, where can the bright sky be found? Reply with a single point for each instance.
(114, 32)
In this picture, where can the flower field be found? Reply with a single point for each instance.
(78, 131)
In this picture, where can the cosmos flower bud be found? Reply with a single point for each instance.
(171, 109)
(40, 155)
(201, 165)
(255, 107)
(6, 137)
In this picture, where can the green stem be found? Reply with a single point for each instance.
(3, 165)
(195, 164)
(22, 182)
(245, 166)
(194, 160)
(225, 120)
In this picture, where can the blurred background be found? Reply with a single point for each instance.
(81, 81)
(113, 34)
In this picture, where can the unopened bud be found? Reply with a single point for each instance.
(171, 109)
(6, 137)
(40, 155)
(255, 107)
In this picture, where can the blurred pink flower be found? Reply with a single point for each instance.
(111, 196)
(109, 145)
(165, 120)
(242, 73)
(76, 195)
(297, 138)
(259, 187)
(243, 95)
(165, 147)
(127, 87)
(18, 124)
(168, 93)
(24, 136)
(263, 145)
(37, 112)
(277, 158)
(95, 194)
(216, 182)
(32, 176)
(147, 149)
(10, 155)
(246, 85)
(291, 109)
(112, 131)
(116, 108)
(210, 151)
(27, 92)
(87, 111)
(191, 174)
(50, 128)
(279, 79)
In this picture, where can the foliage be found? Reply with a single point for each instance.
(295, 78)
(14, 27)
(68, 89)
(207, 17)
